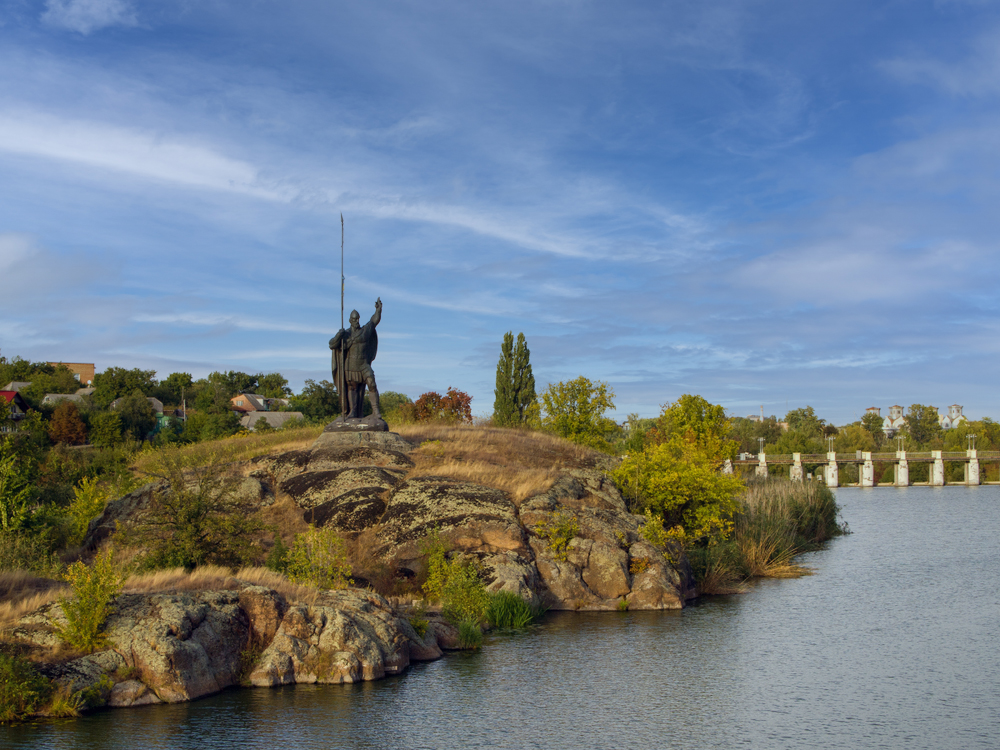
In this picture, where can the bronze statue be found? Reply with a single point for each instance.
(353, 354)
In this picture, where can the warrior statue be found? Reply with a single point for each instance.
(353, 354)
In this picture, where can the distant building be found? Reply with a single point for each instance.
(17, 385)
(276, 419)
(55, 398)
(252, 402)
(154, 402)
(894, 422)
(84, 371)
(953, 418)
(17, 405)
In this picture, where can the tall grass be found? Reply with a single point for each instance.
(777, 520)
(505, 610)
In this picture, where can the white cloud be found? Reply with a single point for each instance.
(136, 152)
(978, 74)
(85, 16)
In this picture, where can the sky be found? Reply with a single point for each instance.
(771, 204)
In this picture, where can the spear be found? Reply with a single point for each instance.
(341, 270)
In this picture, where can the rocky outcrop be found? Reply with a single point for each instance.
(173, 647)
(574, 546)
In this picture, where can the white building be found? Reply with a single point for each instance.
(953, 418)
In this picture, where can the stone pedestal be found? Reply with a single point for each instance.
(936, 478)
(795, 473)
(761, 465)
(867, 471)
(972, 468)
(832, 472)
(902, 470)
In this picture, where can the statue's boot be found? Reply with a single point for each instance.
(373, 399)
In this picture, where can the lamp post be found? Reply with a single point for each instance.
(972, 441)
(829, 440)
(899, 443)
(760, 442)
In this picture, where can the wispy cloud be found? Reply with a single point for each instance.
(87, 16)
(139, 153)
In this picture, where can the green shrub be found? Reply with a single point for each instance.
(454, 582)
(505, 610)
(469, 635)
(94, 589)
(89, 499)
(31, 552)
(319, 557)
(560, 531)
(22, 689)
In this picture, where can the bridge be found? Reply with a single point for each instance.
(829, 472)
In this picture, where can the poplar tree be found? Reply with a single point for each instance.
(515, 391)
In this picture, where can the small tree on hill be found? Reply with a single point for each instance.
(66, 425)
(515, 391)
(575, 410)
(456, 406)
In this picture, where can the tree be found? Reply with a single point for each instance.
(174, 388)
(18, 475)
(747, 431)
(211, 425)
(197, 519)
(116, 382)
(456, 406)
(66, 425)
(273, 385)
(106, 429)
(805, 421)
(575, 411)
(137, 415)
(872, 422)
(680, 482)
(697, 421)
(515, 390)
(922, 423)
(319, 400)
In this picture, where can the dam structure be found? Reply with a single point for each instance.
(827, 466)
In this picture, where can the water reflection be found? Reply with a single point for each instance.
(890, 644)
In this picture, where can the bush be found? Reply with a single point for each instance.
(199, 519)
(505, 610)
(559, 532)
(89, 499)
(22, 689)
(94, 589)
(319, 557)
(27, 551)
(470, 635)
(455, 583)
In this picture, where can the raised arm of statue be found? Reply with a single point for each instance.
(377, 317)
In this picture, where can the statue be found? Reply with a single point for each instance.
(353, 354)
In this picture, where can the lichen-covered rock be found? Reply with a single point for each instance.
(314, 488)
(475, 519)
(183, 645)
(348, 636)
(387, 441)
(355, 510)
(131, 693)
(120, 510)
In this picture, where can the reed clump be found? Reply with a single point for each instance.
(776, 520)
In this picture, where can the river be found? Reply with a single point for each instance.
(892, 643)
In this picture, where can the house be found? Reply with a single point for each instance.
(84, 371)
(17, 385)
(154, 402)
(953, 418)
(894, 422)
(55, 398)
(277, 419)
(18, 408)
(252, 402)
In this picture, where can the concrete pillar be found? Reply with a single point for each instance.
(795, 474)
(832, 472)
(727, 467)
(902, 478)
(937, 470)
(761, 465)
(867, 471)
(972, 468)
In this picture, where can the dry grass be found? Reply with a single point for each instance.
(235, 449)
(174, 580)
(287, 518)
(293, 592)
(22, 592)
(520, 462)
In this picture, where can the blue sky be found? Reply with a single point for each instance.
(766, 203)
